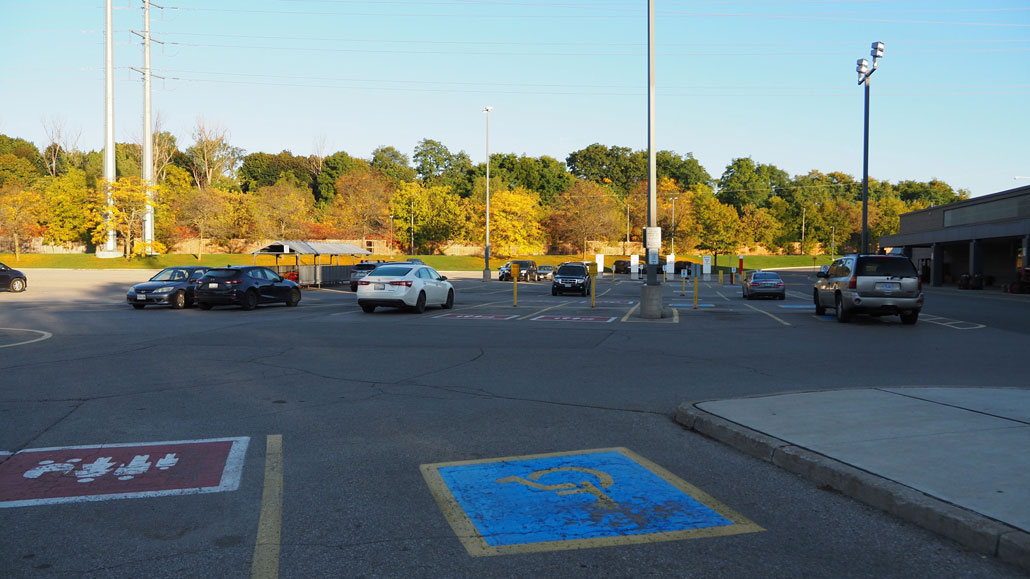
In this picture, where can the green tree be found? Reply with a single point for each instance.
(20, 210)
(393, 164)
(685, 170)
(716, 223)
(15, 170)
(438, 215)
(933, 192)
(746, 183)
(262, 169)
(515, 222)
(126, 210)
(620, 166)
(333, 167)
(72, 210)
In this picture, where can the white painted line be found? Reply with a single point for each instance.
(44, 336)
(768, 314)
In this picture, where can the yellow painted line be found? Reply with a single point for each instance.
(269, 533)
(768, 314)
(630, 312)
(538, 312)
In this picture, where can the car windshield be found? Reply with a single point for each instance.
(545, 267)
(572, 270)
(392, 271)
(766, 276)
(365, 266)
(171, 274)
(523, 264)
(222, 273)
(886, 266)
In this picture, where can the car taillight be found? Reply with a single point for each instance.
(363, 282)
(401, 283)
(233, 281)
(779, 284)
(755, 284)
(853, 283)
(920, 282)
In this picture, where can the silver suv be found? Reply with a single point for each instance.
(870, 284)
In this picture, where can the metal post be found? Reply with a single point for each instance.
(651, 291)
(486, 249)
(148, 138)
(865, 174)
(111, 245)
(411, 248)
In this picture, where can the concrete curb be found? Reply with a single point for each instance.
(973, 530)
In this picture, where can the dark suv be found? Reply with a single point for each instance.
(870, 284)
(571, 277)
(527, 270)
(360, 270)
(246, 286)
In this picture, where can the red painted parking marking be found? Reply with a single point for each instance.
(600, 319)
(73, 474)
(477, 316)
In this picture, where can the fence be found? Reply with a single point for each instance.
(318, 275)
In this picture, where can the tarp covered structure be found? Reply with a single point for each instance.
(296, 247)
(319, 273)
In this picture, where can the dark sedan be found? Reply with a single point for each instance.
(245, 286)
(173, 286)
(12, 279)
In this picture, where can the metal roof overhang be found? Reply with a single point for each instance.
(287, 247)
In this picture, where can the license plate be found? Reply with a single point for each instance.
(888, 286)
(567, 285)
(379, 286)
(141, 298)
(212, 285)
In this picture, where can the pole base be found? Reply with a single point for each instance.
(486, 275)
(651, 302)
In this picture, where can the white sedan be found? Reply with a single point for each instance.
(402, 285)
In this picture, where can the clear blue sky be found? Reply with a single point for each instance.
(773, 80)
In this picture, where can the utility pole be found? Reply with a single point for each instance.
(651, 291)
(148, 130)
(111, 245)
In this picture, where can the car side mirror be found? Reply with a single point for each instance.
(443, 278)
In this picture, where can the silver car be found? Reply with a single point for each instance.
(763, 283)
(870, 284)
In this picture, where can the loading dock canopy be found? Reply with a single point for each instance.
(311, 248)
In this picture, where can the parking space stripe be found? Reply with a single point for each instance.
(538, 312)
(768, 314)
(269, 534)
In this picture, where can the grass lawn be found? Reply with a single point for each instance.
(440, 262)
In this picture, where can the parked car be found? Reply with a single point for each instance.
(360, 270)
(870, 284)
(679, 266)
(504, 272)
(404, 285)
(571, 277)
(172, 286)
(763, 283)
(527, 270)
(620, 266)
(12, 279)
(545, 272)
(245, 286)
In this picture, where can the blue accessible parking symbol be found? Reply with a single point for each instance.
(573, 500)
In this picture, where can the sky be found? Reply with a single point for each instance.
(773, 80)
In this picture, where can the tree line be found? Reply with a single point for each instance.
(216, 192)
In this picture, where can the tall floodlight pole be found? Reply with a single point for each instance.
(148, 138)
(111, 245)
(672, 235)
(651, 291)
(864, 74)
(486, 248)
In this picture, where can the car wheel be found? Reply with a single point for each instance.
(250, 300)
(420, 303)
(204, 305)
(842, 316)
(178, 300)
(293, 299)
(137, 306)
(820, 310)
(910, 317)
(450, 300)
(17, 285)
(554, 292)
(368, 308)
(353, 287)
(743, 293)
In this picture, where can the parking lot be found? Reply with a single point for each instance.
(321, 441)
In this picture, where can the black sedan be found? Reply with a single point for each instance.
(12, 279)
(245, 286)
(172, 286)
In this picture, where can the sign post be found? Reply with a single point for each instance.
(593, 276)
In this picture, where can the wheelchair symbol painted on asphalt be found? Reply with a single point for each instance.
(570, 488)
(573, 500)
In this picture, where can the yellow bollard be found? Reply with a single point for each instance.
(695, 292)
(684, 279)
(515, 285)
(720, 277)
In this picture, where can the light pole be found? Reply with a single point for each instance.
(833, 243)
(486, 249)
(672, 236)
(411, 248)
(864, 73)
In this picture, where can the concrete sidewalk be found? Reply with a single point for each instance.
(953, 460)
